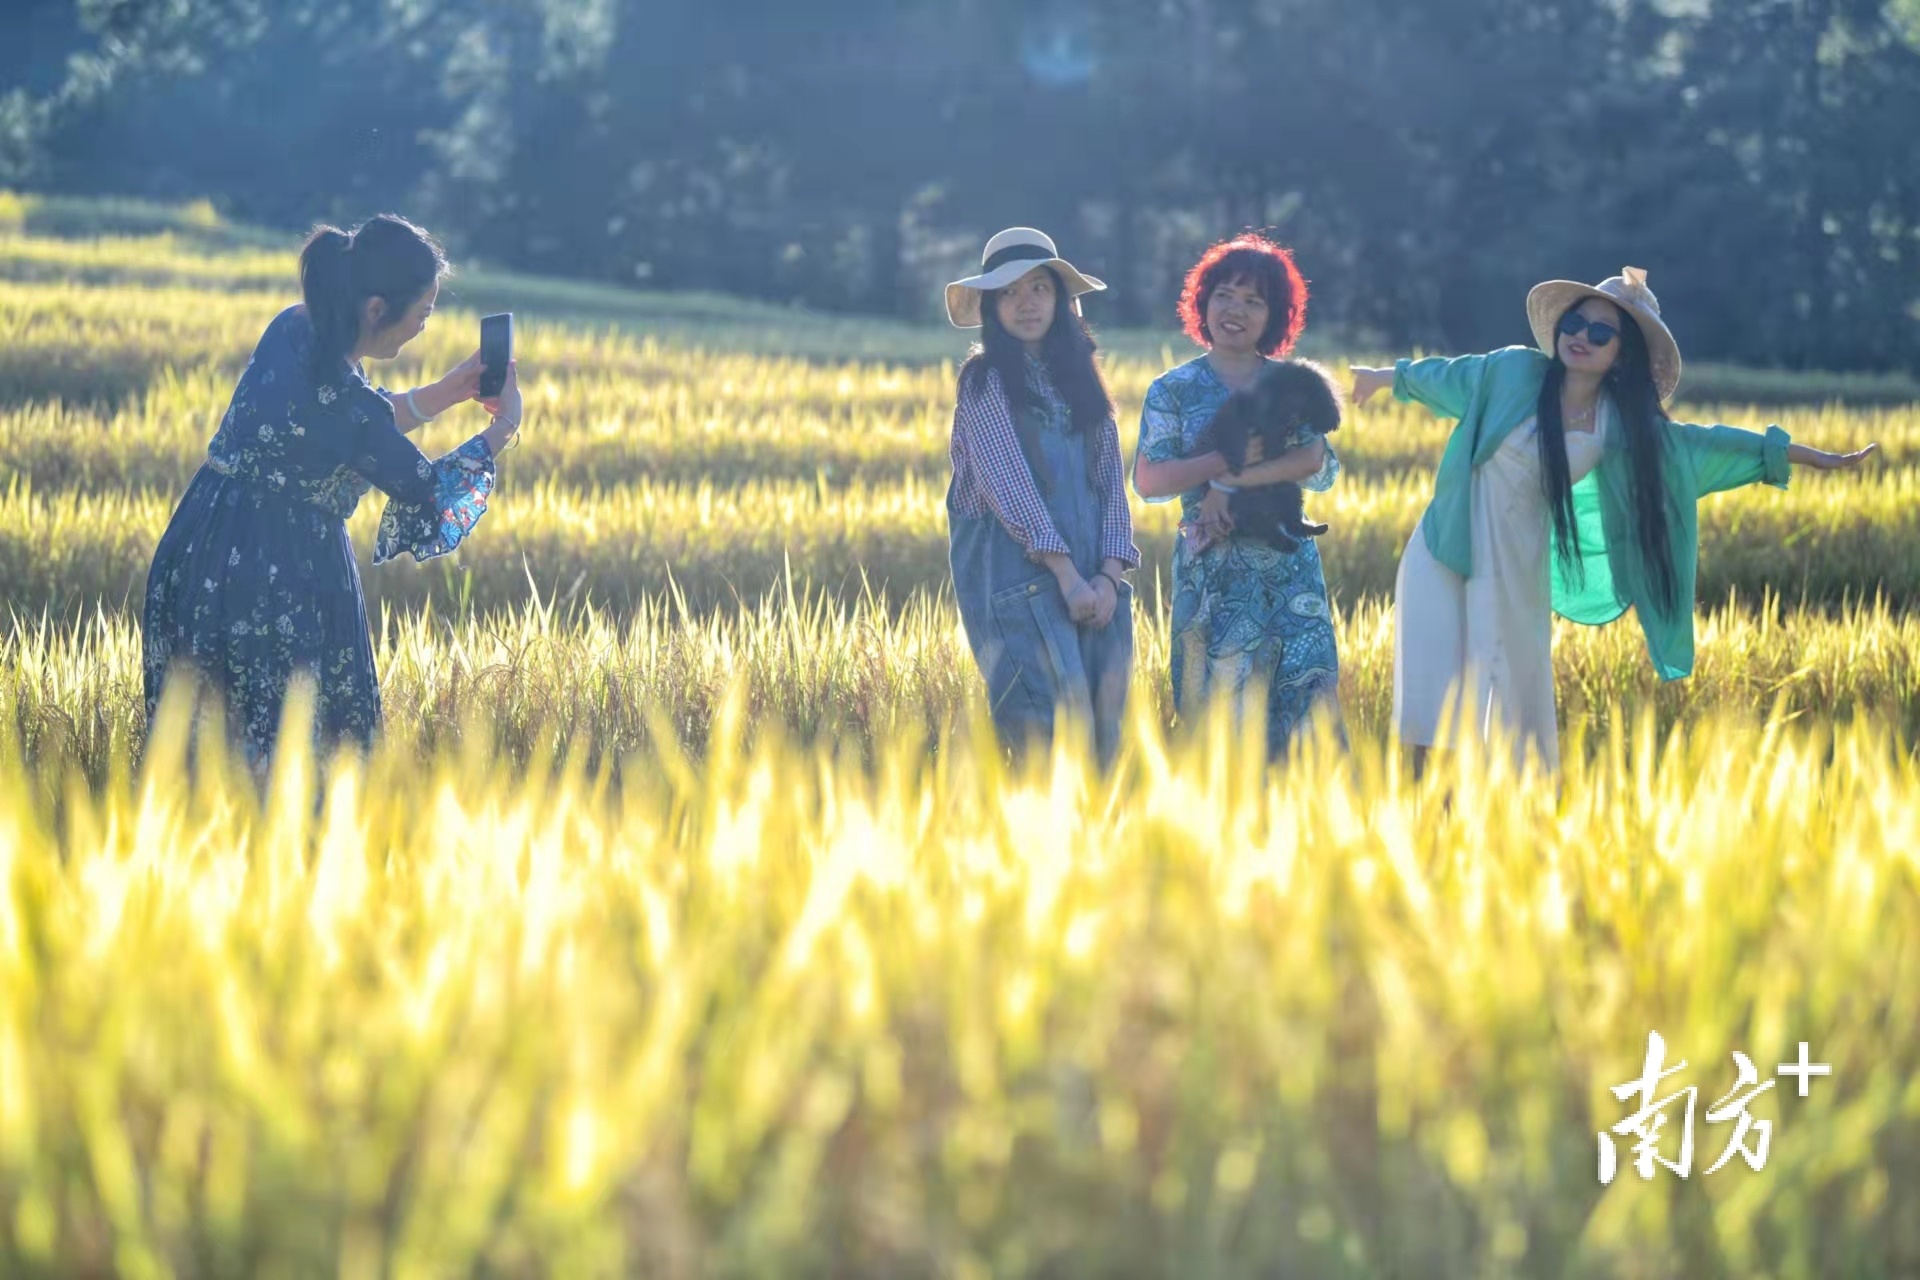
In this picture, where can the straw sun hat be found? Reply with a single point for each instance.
(1546, 303)
(1007, 257)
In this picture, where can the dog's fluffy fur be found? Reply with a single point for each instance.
(1292, 401)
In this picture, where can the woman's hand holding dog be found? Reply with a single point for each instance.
(1290, 467)
(1214, 520)
(1213, 523)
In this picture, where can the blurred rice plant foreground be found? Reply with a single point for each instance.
(783, 1014)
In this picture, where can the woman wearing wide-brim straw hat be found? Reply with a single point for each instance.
(1009, 255)
(1040, 538)
(1566, 447)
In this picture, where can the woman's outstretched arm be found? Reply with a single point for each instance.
(1370, 382)
(1723, 458)
(1801, 455)
(1445, 384)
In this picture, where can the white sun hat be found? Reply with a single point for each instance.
(1008, 256)
(1546, 303)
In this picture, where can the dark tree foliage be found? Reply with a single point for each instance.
(1427, 161)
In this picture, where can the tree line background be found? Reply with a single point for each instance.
(1428, 159)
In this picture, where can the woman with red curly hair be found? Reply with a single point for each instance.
(1244, 612)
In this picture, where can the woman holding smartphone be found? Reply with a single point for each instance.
(254, 579)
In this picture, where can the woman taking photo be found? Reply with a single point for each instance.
(255, 578)
(1245, 614)
(1040, 538)
(1569, 444)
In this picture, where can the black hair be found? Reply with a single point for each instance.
(1068, 352)
(1637, 400)
(385, 257)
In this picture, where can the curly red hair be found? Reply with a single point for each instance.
(1272, 271)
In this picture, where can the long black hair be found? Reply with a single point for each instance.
(1637, 401)
(1068, 352)
(385, 257)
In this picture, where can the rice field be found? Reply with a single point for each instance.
(724, 474)
(682, 926)
(545, 679)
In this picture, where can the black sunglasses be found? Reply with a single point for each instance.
(1599, 333)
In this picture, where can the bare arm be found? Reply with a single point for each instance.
(1369, 382)
(432, 401)
(1172, 477)
(1801, 455)
(459, 386)
(1294, 465)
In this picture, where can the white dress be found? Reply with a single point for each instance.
(1488, 640)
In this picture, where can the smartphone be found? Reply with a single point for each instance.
(496, 352)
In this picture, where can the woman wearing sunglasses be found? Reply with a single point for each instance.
(1571, 440)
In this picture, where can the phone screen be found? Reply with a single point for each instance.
(496, 351)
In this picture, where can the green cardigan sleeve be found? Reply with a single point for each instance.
(1729, 457)
(1445, 385)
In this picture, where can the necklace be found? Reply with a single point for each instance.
(1578, 421)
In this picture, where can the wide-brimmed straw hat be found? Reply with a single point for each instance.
(1007, 257)
(1546, 303)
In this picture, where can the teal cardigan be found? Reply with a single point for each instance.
(1491, 395)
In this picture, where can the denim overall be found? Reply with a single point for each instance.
(1033, 655)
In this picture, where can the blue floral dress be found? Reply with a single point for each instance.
(255, 578)
(1242, 610)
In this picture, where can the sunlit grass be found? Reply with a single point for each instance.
(917, 1017)
(610, 412)
(1828, 539)
(557, 679)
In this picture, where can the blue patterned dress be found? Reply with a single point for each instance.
(1242, 610)
(255, 579)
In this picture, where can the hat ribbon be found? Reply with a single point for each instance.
(1016, 253)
